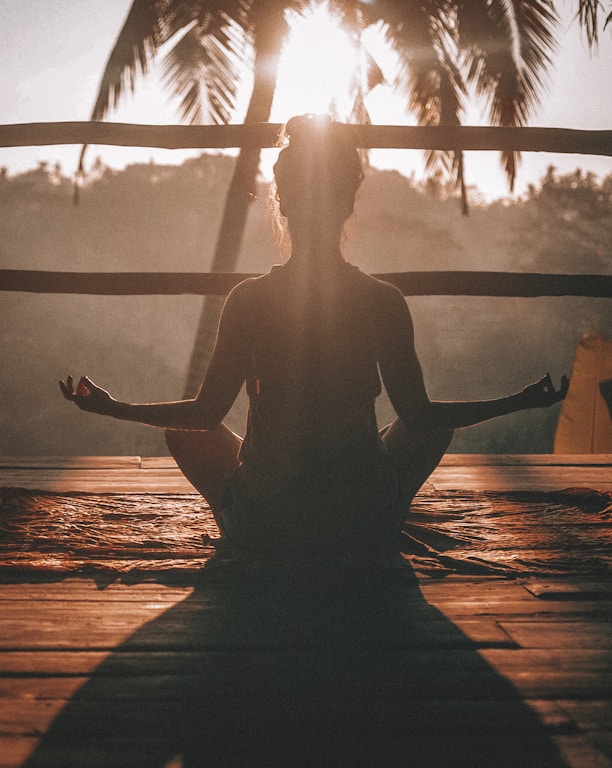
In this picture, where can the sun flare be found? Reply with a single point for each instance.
(318, 67)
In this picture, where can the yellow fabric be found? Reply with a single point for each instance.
(584, 423)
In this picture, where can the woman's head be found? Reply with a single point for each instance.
(318, 172)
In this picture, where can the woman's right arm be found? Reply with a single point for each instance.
(224, 378)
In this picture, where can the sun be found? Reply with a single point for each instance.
(319, 67)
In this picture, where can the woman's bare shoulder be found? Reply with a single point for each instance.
(252, 287)
(379, 290)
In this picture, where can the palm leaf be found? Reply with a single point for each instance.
(507, 49)
(203, 69)
(430, 80)
(143, 31)
(588, 15)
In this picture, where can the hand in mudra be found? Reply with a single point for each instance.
(87, 395)
(542, 393)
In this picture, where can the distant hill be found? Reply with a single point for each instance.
(165, 218)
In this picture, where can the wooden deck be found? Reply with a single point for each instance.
(300, 670)
(476, 472)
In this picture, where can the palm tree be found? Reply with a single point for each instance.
(498, 49)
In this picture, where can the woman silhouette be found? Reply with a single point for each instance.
(312, 339)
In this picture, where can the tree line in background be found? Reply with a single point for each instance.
(164, 218)
(571, 212)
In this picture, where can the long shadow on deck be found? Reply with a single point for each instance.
(349, 673)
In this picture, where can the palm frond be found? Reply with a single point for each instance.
(506, 51)
(372, 73)
(237, 11)
(417, 79)
(203, 69)
(143, 31)
(423, 36)
(588, 16)
(433, 81)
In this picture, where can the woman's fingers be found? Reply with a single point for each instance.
(84, 387)
(547, 384)
(66, 389)
(565, 382)
(549, 388)
(543, 393)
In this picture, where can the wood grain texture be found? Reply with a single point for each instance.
(306, 669)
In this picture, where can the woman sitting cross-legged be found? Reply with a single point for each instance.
(312, 339)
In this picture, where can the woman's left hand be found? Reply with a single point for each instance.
(542, 393)
(87, 395)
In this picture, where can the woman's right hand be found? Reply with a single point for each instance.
(87, 396)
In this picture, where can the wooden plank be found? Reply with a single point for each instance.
(521, 478)
(476, 728)
(467, 595)
(506, 661)
(94, 481)
(442, 684)
(450, 674)
(500, 608)
(577, 589)
(168, 480)
(30, 718)
(73, 462)
(578, 751)
(46, 688)
(540, 660)
(15, 750)
(86, 590)
(526, 459)
(160, 474)
(437, 283)
(523, 139)
(58, 625)
(98, 630)
(132, 699)
(22, 663)
(473, 589)
(157, 462)
(560, 634)
(590, 715)
(167, 462)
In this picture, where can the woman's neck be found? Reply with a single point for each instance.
(315, 245)
(313, 253)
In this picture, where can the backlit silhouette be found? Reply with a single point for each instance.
(313, 339)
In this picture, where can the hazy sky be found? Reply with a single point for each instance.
(54, 52)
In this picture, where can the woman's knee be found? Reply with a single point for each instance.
(414, 455)
(176, 440)
(440, 439)
(398, 438)
(206, 458)
(201, 444)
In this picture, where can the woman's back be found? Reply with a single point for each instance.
(314, 376)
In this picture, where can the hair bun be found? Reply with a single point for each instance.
(319, 163)
(309, 126)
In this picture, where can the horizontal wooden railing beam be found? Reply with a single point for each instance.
(455, 283)
(561, 140)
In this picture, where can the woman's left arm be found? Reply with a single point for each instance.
(224, 378)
